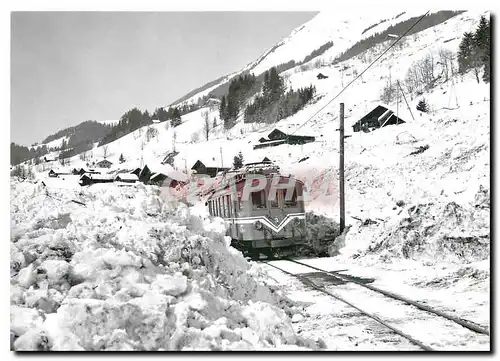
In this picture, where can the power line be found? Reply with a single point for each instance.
(359, 75)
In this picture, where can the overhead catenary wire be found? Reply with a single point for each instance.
(360, 74)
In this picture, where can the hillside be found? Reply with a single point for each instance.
(303, 44)
(76, 139)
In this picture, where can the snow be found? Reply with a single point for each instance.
(129, 272)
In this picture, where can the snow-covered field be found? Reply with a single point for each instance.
(419, 224)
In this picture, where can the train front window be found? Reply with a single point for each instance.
(258, 200)
(278, 199)
(291, 202)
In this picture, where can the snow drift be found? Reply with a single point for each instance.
(128, 272)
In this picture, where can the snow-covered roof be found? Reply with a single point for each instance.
(61, 170)
(127, 176)
(168, 170)
(97, 176)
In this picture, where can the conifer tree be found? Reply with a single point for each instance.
(176, 117)
(422, 106)
(238, 161)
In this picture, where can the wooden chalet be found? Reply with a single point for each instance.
(379, 117)
(58, 172)
(145, 174)
(104, 164)
(80, 171)
(169, 158)
(136, 171)
(126, 178)
(88, 179)
(157, 179)
(209, 169)
(277, 137)
(321, 76)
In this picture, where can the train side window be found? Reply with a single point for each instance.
(293, 201)
(240, 203)
(226, 207)
(258, 200)
(229, 207)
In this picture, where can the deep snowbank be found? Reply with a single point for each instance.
(129, 272)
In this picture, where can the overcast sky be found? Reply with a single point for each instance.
(68, 67)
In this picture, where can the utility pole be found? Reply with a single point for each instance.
(397, 106)
(221, 160)
(341, 170)
(402, 92)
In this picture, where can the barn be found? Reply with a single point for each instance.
(379, 117)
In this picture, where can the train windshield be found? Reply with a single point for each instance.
(291, 201)
(258, 200)
(284, 198)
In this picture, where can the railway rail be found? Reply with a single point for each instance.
(469, 325)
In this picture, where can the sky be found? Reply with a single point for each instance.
(68, 67)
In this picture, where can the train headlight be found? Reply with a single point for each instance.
(257, 225)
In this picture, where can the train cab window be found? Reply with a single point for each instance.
(292, 202)
(278, 198)
(258, 200)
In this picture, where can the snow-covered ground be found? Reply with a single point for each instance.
(460, 290)
(418, 223)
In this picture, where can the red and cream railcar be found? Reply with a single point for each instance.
(265, 212)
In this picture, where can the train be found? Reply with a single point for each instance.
(263, 209)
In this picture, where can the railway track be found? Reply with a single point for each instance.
(453, 324)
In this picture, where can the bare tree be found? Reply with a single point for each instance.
(195, 137)
(388, 92)
(446, 58)
(105, 151)
(174, 138)
(426, 67)
(151, 133)
(206, 125)
(83, 156)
